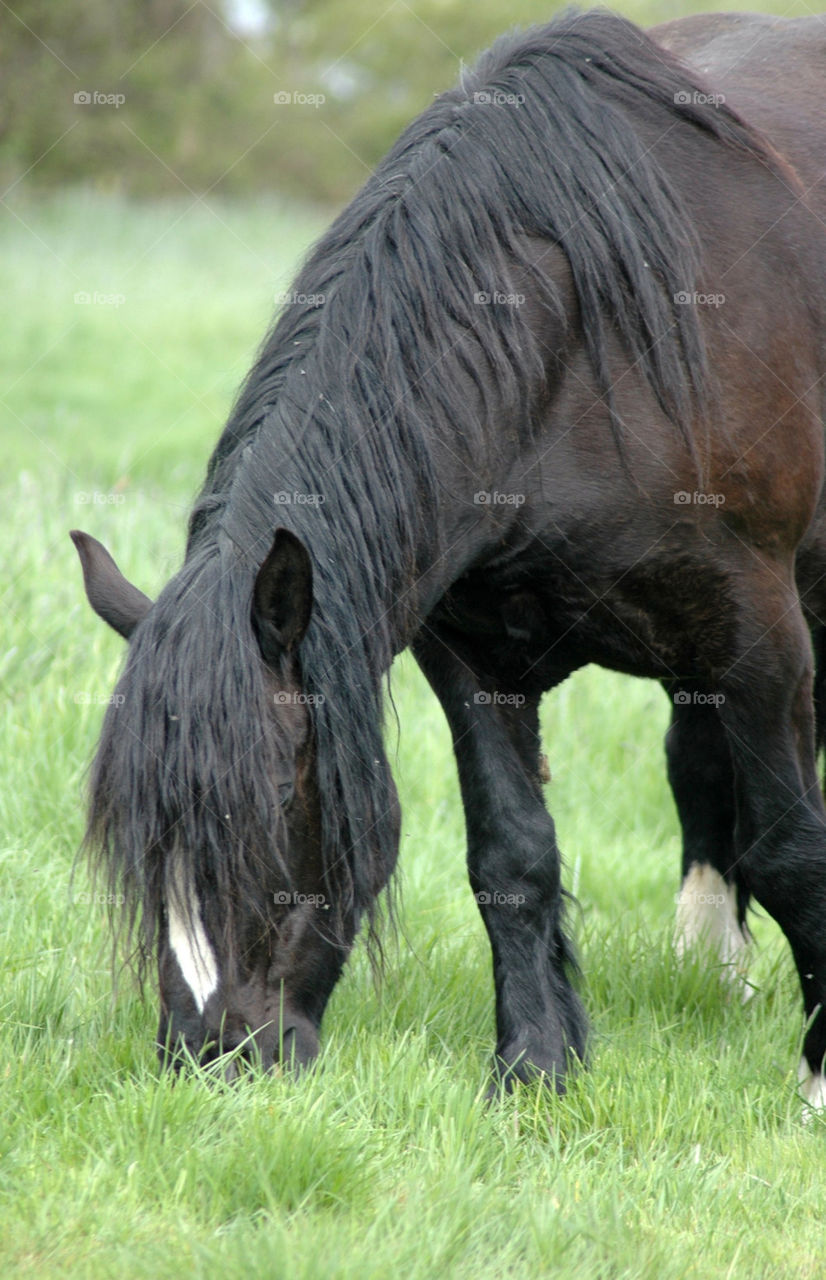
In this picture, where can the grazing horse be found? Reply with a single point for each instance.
(515, 427)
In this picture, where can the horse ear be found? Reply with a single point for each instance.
(110, 595)
(282, 598)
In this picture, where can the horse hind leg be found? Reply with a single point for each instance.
(713, 899)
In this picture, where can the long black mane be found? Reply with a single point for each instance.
(383, 363)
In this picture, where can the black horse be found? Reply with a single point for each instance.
(556, 401)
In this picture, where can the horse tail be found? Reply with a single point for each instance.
(819, 647)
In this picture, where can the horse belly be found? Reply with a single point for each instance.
(664, 616)
(627, 598)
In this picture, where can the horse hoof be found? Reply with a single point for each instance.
(509, 1072)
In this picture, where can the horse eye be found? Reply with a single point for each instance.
(285, 794)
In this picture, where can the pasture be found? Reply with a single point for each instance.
(681, 1153)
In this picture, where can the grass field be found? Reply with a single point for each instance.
(682, 1152)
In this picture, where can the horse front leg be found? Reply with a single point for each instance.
(513, 865)
(780, 831)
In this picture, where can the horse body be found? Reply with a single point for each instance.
(523, 461)
(616, 573)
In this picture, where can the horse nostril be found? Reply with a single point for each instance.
(298, 1046)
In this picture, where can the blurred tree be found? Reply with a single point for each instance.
(225, 97)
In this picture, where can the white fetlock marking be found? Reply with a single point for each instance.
(707, 920)
(188, 939)
(812, 1090)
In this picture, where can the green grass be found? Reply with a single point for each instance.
(682, 1152)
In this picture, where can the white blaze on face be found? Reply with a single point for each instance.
(187, 937)
(707, 919)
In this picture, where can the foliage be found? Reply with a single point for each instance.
(198, 112)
